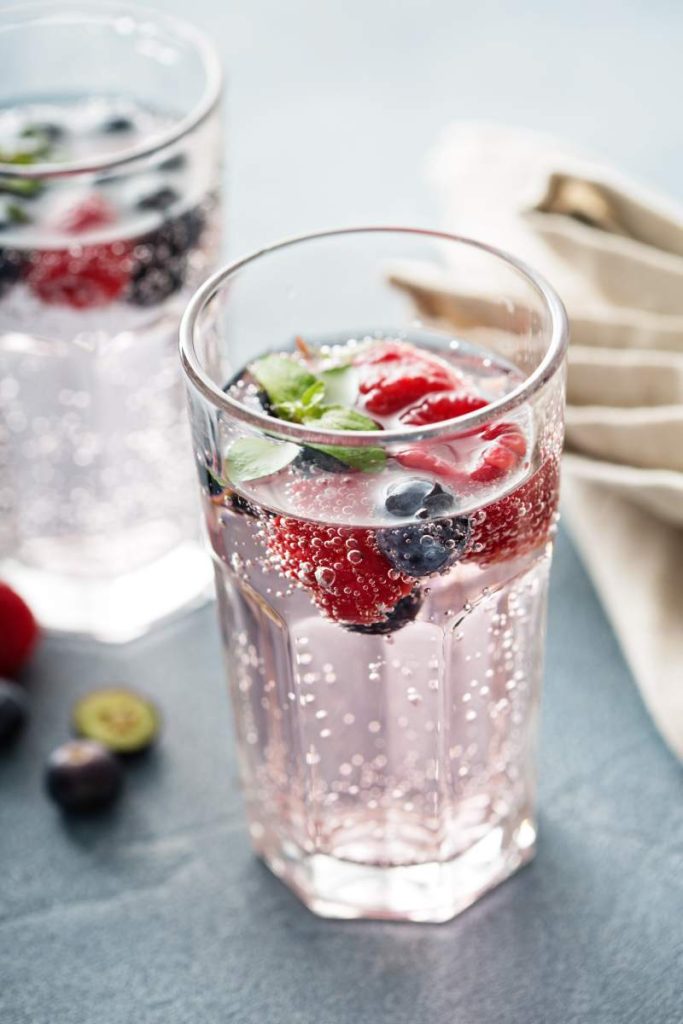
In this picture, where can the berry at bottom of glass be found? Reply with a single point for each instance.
(383, 614)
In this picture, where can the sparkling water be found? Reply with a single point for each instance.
(98, 514)
(389, 768)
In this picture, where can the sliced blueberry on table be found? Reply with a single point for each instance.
(405, 611)
(83, 775)
(158, 199)
(118, 718)
(422, 550)
(118, 125)
(13, 711)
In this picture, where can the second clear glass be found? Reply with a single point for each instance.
(109, 218)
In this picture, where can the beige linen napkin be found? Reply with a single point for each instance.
(614, 252)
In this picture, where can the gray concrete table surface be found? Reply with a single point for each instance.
(156, 912)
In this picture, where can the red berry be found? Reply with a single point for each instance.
(519, 522)
(84, 277)
(18, 631)
(341, 567)
(92, 212)
(444, 405)
(394, 375)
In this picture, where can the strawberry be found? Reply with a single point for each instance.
(444, 405)
(343, 570)
(519, 522)
(84, 277)
(92, 212)
(395, 375)
(18, 631)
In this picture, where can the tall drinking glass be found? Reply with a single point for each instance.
(381, 589)
(109, 165)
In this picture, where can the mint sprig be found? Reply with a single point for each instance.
(250, 458)
(323, 401)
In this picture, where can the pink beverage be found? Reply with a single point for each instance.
(383, 608)
(108, 221)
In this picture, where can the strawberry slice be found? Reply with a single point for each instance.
(444, 405)
(395, 375)
(519, 522)
(343, 570)
(84, 277)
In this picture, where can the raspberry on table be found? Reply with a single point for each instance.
(18, 631)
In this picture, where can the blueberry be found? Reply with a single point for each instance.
(241, 505)
(158, 199)
(209, 481)
(407, 496)
(82, 775)
(310, 459)
(12, 265)
(421, 550)
(405, 611)
(13, 711)
(174, 163)
(418, 497)
(264, 401)
(47, 130)
(117, 125)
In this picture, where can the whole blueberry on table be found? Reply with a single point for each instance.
(13, 711)
(82, 775)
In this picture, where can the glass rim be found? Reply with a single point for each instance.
(106, 10)
(303, 434)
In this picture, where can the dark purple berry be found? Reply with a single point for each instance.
(158, 199)
(405, 611)
(174, 163)
(118, 125)
(13, 711)
(82, 775)
(422, 550)
(47, 130)
(310, 459)
(209, 481)
(12, 264)
(416, 496)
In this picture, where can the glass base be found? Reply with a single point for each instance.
(433, 891)
(116, 609)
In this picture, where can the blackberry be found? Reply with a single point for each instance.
(12, 265)
(160, 259)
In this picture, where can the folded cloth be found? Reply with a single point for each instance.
(614, 252)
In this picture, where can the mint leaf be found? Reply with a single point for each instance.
(27, 187)
(368, 459)
(341, 384)
(283, 378)
(250, 458)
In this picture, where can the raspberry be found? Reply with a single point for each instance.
(92, 212)
(341, 567)
(444, 405)
(519, 522)
(395, 375)
(84, 277)
(18, 631)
